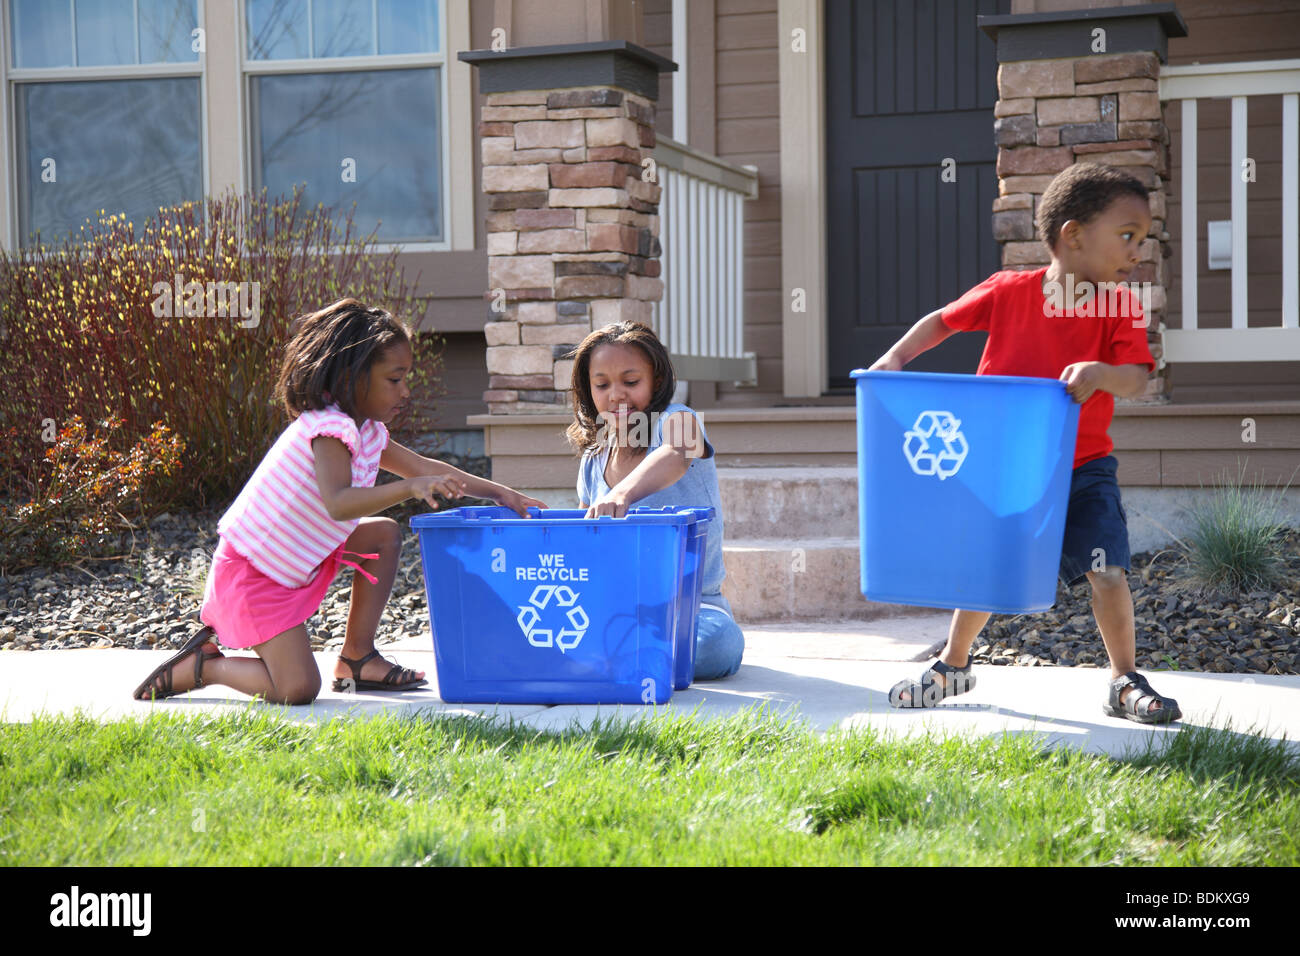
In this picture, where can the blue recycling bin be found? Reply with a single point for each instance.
(555, 608)
(692, 586)
(963, 483)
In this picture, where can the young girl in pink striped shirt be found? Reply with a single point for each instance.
(302, 514)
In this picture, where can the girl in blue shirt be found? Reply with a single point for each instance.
(638, 447)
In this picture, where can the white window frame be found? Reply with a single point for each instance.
(12, 77)
(453, 31)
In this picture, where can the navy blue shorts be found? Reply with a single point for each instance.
(1096, 527)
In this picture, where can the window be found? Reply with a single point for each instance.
(346, 99)
(108, 112)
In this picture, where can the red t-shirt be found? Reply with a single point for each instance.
(1028, 336)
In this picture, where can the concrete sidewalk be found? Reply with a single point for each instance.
(828, 675)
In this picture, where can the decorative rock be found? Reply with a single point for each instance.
(1115, 66)
(1139, 106)
(1032, 159)
(1013, 107)
(1013, 224)
(560, 134)
(1034, 78)
(1073, 109)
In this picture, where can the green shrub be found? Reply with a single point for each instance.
(1233, 545)
(84, 494)
(94, 328)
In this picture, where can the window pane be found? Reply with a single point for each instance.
(341, 28)
(42, 33)
(105, 31)
(124, 146)
(408, 26)
(277, 29)
(386, 122)
(167, 30)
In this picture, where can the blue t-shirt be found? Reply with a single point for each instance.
(698, 488)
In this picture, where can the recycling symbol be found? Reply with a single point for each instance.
(934, 445)
(530, 617)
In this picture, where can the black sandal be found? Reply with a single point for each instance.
(196, 642)
(929, 691)
(398, 678)
(1137, 706)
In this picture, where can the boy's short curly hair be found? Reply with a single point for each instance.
(1082, 192)
(329, 355)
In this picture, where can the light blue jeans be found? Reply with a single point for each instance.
(719, 642)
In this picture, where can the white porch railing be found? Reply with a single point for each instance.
(701, 318)
(1237, 81)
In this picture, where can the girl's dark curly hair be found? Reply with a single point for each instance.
(584, 433)
(330, 354)
(1082, 192)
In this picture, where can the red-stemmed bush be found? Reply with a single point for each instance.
(94, 329)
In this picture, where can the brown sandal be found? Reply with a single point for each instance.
(397, 678)
(197, 641)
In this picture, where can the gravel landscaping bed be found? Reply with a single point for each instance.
(151, 598)
(1177, 627)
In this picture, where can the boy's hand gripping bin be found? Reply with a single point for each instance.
(963, 483)
(556, 608)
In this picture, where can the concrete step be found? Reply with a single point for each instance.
(789, 503)
(777, 579)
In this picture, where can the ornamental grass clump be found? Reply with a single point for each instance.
(1233, 546)
(179, 320)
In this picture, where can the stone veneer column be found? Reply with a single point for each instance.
(1060, 103)
(572, 222)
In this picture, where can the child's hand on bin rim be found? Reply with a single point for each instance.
(518, 503)
(426, 486)
(1082, 379)
(888, 362)
(613, 505)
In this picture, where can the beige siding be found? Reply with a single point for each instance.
(461, 381)
(452, 285)
(747, 130)
(1217, 32)
(658, 33)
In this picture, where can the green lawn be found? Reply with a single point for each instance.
(250, 788)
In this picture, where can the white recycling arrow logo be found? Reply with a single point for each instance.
(530, 617)
(935, 444)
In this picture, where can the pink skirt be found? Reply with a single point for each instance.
(245, 607)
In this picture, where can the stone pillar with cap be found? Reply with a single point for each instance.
(1082, 86)
(572, 222)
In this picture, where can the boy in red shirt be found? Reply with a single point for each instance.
(1068, 320)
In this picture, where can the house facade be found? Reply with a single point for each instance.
(831, 172)
(852, 114)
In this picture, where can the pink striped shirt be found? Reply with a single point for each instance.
(279, 522)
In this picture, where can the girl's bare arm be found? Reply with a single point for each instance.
(343, 502)
(401, 460)
(682, 442)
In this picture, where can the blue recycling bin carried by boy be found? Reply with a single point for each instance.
(963, 483)
(558, 608)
